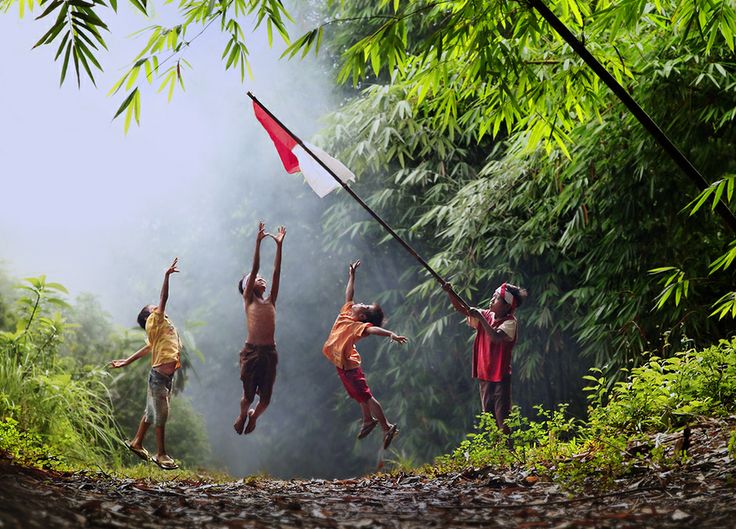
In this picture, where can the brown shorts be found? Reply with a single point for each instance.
(495, 398)
(258, 371)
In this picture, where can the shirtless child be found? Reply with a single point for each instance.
(258, 358)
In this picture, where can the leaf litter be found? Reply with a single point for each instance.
(701, 492)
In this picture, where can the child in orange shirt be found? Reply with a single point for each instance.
(356, 321)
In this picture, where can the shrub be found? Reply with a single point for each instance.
(661, 396)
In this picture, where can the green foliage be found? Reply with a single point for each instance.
(666, 394)
(401, 462)
(163, 56)
(486, 142)
(486, 446)
(78, 31)
(485, 68)
(675, 283)
(69, 410)
(77, 28)
(152, 473)
(26, 448)
(716, 193)
(661, 396)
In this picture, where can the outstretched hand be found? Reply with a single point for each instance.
(399, 339)
(118, 363)
(279, 237)
(261, 232)
(353, 267)
(172, 269)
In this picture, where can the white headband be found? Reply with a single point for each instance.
(503, 292)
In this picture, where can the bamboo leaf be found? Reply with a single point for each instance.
(140, 5)
(66, 62)
(126, 103)
(55, 4)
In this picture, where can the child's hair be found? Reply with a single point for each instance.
(520, 294)
(242, 281)
(143, 316)
(374, 315)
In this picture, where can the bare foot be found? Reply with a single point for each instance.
(251, 422)
(240, 424)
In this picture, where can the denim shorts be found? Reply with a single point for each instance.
(157, 399)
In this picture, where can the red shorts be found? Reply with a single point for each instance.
(355, 384)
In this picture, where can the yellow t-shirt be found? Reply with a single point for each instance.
(161, 335)
(340, 345)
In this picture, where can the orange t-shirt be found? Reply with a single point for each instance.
(340, 345)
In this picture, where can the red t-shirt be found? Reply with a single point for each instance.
(492, 360)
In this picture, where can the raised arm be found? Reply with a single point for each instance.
(248, 287)
(161, 309)
(380, 331)
(350, 289)
(277, 263)
(143, 351)
(456, 303)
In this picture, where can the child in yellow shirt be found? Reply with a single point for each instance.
(162, 341)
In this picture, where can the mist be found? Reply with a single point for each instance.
(105, 213)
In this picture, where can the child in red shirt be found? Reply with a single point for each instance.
(494, 341)
(356, 321)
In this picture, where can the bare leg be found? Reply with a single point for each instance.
(260, 408)
(137, 441)
(367, 416)
(160, 441)
(240, 421)
(377, 411)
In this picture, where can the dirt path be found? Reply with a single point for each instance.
(700, 494)
(30, 499)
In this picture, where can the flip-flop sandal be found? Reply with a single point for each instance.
(140, 452)
(389, 436)
(366, 429)
(166, 464)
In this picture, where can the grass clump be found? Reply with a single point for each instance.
(46, 405)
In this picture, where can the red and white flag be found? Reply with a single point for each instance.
(295, 158)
